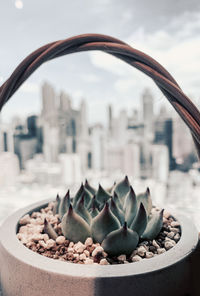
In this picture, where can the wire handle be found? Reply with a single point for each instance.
(166, 83)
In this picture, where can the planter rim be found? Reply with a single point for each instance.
(10, 243)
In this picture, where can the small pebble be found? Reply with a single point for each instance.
(177, 237)
(104, 262)
(97, 250)
(141, 251)
(60, 240)
(161, 250)
(171, 234)
(76, 256)
(121, 258)
(149, 255)
(155, 244)
(176, 230)
(89, 261)
(169, 244)
(79, 247)
(136, 258)
(175, 224)
(166, 214)
(87, 253)
(82, 257)
(88, 242)
(25, 220)
(50, 243)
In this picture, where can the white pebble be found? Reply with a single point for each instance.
(175, 224)
(82, 256)
(136, 258)
(42, 244)
(175, 230)
(161, 250)
(97, 250)
(71, 244)
(76, 256)
(79, 247)
(50, 243)
(88, 242)
(25, 220)
(104, 262)
(104, 254)
(170, 234)
(70, 250)
(155, 244)
(141, 251)
(177, 237)
(166, 214)
(86, 252)
(60, 240)
(37, 237)
(149, 255)
(88, 261)
(169, 244)
(122, 257)
(45, 237)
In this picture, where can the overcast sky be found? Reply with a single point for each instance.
(167, 30)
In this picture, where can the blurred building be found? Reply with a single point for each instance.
(65, 130)
(9, 172)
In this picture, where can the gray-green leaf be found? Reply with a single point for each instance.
(154, 226)
(104, 223)
(74, 227)
(120, 241)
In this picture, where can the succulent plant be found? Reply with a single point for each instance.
(116, 218)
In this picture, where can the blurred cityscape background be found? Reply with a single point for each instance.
(58, 149)
(92, 116)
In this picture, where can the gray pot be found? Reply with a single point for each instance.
(25, 273)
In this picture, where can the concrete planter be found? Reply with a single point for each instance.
(25, 273)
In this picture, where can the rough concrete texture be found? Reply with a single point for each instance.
(24, 272)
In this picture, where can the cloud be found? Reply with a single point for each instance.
(177, 49)
(30, 87)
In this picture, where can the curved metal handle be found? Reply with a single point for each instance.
(166, 83)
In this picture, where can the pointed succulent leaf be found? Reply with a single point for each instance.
(122, 188)
(56, 205)
(145, 198)
(74, 227)
(93, 203)
(130, 206)
(78, 195)
(94, 211)
(49, 230)
(117, 201)
(111, 189)
(90, 188)
(140, 221)
(120, 241)
(102, 195)
(154, 226)
(104, 223)
(81, 209)
(87, 199)
(117, 212)
(64, 205)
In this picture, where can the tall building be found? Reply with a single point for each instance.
(148, 114)
(65, 130)
(98, 146)
(9, 172)
(160, 163)
(164, 135)
(131, 163)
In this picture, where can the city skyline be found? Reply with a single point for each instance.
(60, 141)
(101, 78)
